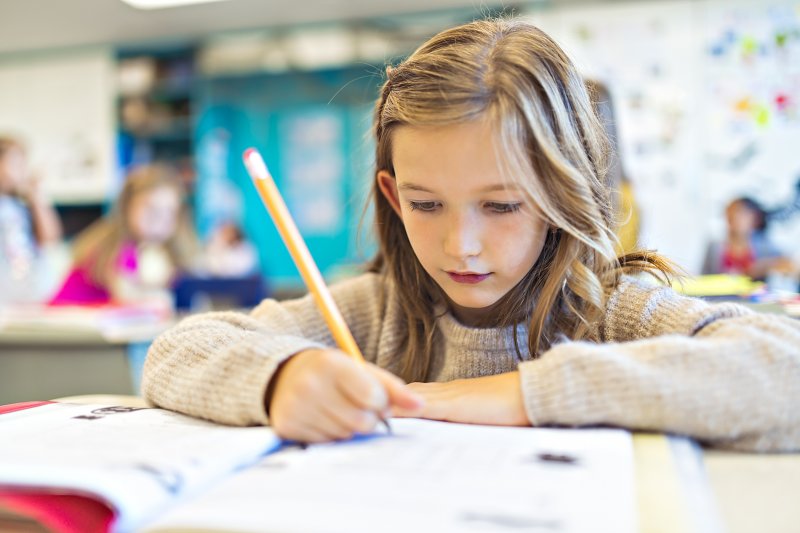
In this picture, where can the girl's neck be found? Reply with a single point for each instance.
(471, 316)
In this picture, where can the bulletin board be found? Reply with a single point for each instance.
(61, 106)
(707, 97)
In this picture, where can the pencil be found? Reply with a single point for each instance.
(302, 257)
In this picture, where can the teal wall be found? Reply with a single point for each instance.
(313, 130)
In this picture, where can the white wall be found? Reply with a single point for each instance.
(62, 105)
(695, 86)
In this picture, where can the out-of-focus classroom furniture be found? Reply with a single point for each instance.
(68, 352)
(191, 292)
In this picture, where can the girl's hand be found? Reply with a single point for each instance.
(30, 189)
(323, 395)
(495, 400)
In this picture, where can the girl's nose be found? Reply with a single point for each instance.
(463, 237)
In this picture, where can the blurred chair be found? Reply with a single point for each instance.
(193, 293)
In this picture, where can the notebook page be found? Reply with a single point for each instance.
(430, 476)
(139, 460)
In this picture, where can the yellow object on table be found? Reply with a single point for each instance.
(717, 285)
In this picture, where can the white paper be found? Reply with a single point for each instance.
(430, 476)
(139, 460)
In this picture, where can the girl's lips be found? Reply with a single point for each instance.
(467, 278)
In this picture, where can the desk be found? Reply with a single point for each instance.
(753, 492)
(756, 493)
(41, 363)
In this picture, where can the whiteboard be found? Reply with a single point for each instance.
(62, 106)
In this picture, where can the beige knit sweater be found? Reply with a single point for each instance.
(720, 373)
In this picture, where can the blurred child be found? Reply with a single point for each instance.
(27, 220)
(132, 254)
(228, 253)
(746, 249)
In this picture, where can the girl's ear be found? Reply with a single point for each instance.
(388, 186)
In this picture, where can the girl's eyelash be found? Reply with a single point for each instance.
(498, 207)
(422, 206)
(495, 207)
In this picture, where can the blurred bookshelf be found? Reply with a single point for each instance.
(155, 108)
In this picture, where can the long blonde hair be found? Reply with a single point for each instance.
(98, 246)
(554, 148)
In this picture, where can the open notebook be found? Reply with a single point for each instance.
(158, 471)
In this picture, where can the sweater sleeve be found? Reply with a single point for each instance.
(719, 373)
(217, 365)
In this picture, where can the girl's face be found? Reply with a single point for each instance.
(742, 220)
(473, 231)
(12, 170)
(153, 215)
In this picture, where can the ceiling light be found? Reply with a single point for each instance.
(159, 4)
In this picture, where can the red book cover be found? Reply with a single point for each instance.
(56, 512)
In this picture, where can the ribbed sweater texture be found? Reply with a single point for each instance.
(662, 362)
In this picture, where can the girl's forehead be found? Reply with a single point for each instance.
(464, 153)
(158, 194)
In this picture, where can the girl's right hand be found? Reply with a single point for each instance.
(321, 395)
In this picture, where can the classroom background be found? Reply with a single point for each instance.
(707, 100)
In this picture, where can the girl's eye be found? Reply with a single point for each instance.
(498, 207)
(423, 206)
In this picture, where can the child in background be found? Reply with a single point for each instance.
(496, 289)
(27, 220)
(228, 253)
(131, 255)
(746, 249)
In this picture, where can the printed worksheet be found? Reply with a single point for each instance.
(429, 476)
(139, 460)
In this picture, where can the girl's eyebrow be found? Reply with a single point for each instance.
(489, 188)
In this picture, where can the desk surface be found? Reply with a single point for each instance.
(756, 492)
(753, 492)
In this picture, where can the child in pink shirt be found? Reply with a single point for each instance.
(132, 254)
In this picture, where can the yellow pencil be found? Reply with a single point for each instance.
(302, 257)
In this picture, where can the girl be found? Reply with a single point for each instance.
(746, 250)
(27, 220)
(496, 290)
(130, 255)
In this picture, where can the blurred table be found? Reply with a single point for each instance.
(754, 492)
(41, 362)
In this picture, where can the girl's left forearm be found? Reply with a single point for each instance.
(495, 400)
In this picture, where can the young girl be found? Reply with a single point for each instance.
(27, 220)
(496, 290)
(130, 255)
(746, 248)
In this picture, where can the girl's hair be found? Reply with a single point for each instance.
(98, 246)
(553, 146)
(603, 107)
(7, 143)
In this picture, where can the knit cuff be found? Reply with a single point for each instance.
(555, 388)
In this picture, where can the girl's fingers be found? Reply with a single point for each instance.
(349, 417)
(329, 426)
(360, 386)
(307, 432)
(400, 395)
